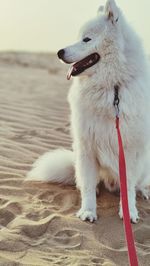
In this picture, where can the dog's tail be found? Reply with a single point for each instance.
(55, 166)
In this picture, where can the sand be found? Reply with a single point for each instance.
(37, 222)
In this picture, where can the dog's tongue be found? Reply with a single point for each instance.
(70, 72)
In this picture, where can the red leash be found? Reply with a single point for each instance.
(123, 190)
(124, 199)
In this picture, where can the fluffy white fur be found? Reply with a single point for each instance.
(95, 147)
(55, 166)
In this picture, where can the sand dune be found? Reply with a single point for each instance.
(37, 222)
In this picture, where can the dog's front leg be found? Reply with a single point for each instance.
(131, 189)
(86, 176)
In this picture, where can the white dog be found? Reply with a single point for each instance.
(107, 54)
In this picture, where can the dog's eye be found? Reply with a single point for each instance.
(86, 39)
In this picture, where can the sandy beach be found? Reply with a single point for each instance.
(38, 225)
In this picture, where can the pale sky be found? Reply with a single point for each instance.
(48, 25)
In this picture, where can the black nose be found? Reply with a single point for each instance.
(61, 53)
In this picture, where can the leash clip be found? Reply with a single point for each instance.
(116, 100)
(116, 109)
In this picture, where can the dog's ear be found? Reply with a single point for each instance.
(100, 10)
(112, 11)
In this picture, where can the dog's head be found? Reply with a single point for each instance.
(98, 39)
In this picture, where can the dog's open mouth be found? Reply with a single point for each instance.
(78, 67)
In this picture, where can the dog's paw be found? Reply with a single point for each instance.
(87, 215)
(134, 217)
(145, 193)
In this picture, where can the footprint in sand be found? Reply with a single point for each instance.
(8, 212)
(68, 238)
(142, 236)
